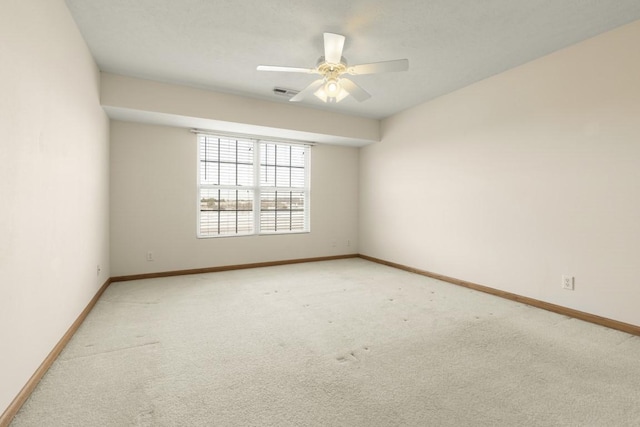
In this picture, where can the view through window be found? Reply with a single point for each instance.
(251, 187)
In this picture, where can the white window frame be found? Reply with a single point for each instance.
(257, 188)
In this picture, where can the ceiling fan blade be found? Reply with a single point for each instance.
(354, 90)
(333, 44)
(286, 69)
(307, 90)
(379, 67)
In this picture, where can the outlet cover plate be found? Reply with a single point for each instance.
(568, 283)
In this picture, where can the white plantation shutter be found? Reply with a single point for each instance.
(237, 175)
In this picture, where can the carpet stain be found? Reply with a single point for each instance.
(145, 418)
(629, 338)
(350, 357)
(113, 350)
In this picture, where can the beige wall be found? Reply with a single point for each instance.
(153, 206)
(53, 184)
(518, 179)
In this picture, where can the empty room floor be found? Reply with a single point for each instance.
(333, 343)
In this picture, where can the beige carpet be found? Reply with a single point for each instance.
(339, 343)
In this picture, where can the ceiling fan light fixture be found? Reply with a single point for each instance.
(331, 91)
(332, 87)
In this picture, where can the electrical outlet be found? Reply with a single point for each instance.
(149, 256)
(98, 270)
(348, 243)
(567, 283)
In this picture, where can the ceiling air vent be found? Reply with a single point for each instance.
(287, 93)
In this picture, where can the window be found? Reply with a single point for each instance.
(251, 187)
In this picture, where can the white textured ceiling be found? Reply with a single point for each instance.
(217, 44)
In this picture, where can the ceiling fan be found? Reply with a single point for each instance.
(333, 87)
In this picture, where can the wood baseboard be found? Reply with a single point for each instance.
(227, 268)
(581, 315)
(13, 408)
